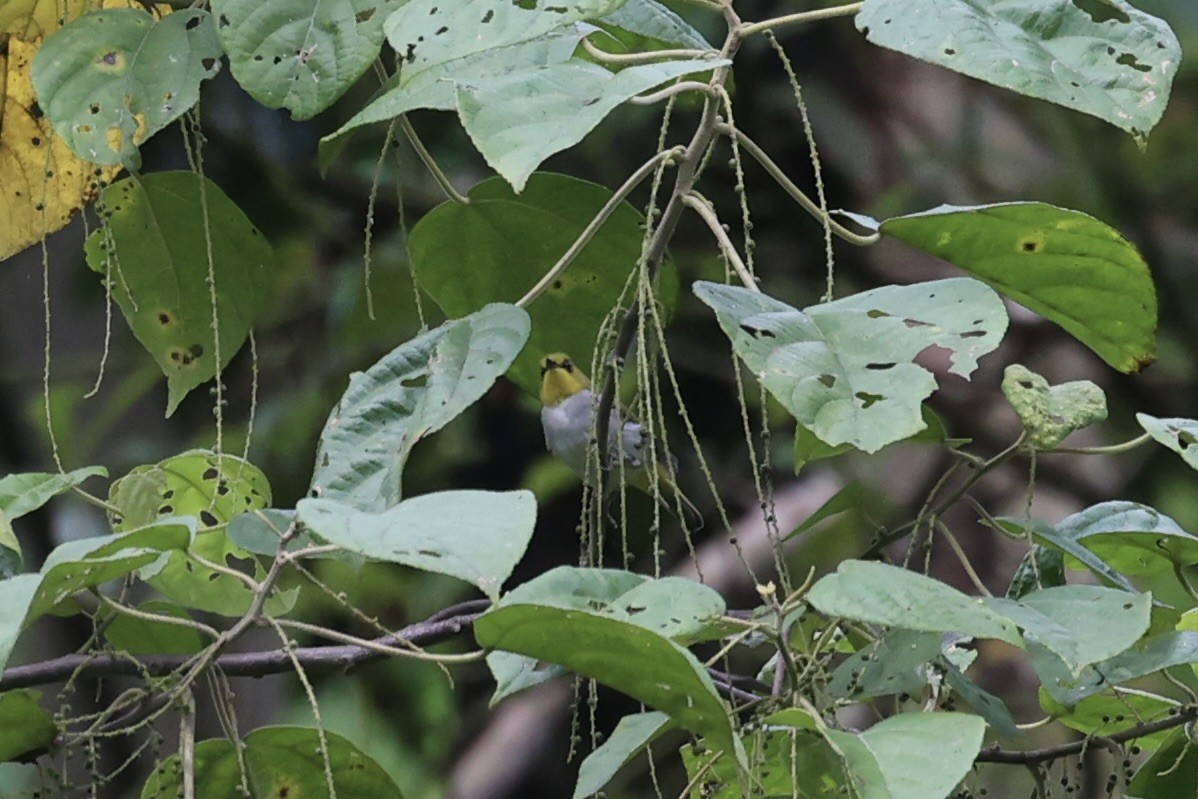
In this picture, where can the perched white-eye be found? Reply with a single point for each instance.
(567, 415)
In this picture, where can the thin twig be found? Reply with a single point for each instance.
(430, 163)
(670, 91)
(994, 754)
(750, 28)
(588, 233)
(788, 185)
(703, 208)
(640, 58)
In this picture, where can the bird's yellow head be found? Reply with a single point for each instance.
(560, 378)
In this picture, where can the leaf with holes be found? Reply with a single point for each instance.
(1066, 266)
(111, 79)
(442, 43)
(301, 55)
(1179, 435)
(154, 250)
(499, 245)
(210, 487)
(413, 391)
(845, 369)
(519, 119)
(1050, 414)
(1113, 62)
(476, 536)
(277, 762)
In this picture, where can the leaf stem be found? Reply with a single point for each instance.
(593, 226)
(701, 206)
(430, 163)
(1113, 449)
(794, 191)
(639, 58)
(670, 91)
(749, 28)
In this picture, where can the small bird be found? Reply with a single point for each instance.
(567, 415)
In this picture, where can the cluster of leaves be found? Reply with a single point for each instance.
(190, 273)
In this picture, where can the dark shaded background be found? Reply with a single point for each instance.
(894, 136)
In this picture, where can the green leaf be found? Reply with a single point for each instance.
(651, 19)
(1146, 657)
(476, 536)
(1050, 413)
(632, 734)
(1066, 266)
(154, 250)
(412, 392)
(276, 761)
(499, 246)
(210, 487)
(911, 755)
(793, 763)
(845, 369)
(89, 562)
(882, 594)
(1133, 538)
(682, 610)
(111, 79)
(139, 636)
(1172, 771)
(444, 43)
(16, 593)
(1179, 435)
(1081, 624)
(24, 726)
(11, 560)
(301, 55)
(624, 655)
(987, 705)
(851, 497)
(26, 492)
(519, 119)
(261, 531)
(1105, 715)
(1049, 536)
(514, 673)
(897, 663)
(1119, 68)
(193, 585)
(1041, 567)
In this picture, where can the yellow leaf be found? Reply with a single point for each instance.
(42, 183)
(31, 20)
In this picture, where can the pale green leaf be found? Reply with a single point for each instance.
(301, 55)
(16, 593)
(1119, 67)
(1050, 413)
(476, 536)
(911, 755)
(110, 79)
(879, 593)
(1146, 657)
(1081, 624)
(1066, 266)
(442, 43)
(154, 250)
(518, 120)
(653, 20)
(1179, 435)
(987, 705)
(632, 734)
(845, 369)
(413, 391)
